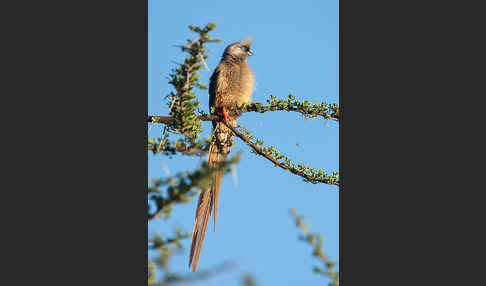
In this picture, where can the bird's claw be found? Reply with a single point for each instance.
(225, 115)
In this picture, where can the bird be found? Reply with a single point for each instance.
(231, 82)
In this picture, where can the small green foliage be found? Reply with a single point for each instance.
(151, 273)
(166, 248)
(314, 175)
(182, 102)
(180, 187)
(157, 241)
(246, 133)
(186, 146)
(316, 240)
(306, 108)
(248, 280)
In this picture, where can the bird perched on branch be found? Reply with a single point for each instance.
(232, 82)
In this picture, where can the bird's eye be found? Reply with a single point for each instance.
(245, 48)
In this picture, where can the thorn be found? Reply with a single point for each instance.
(204, 62)
(235, 176)
(165, 168)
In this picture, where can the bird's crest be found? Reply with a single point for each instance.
(247, 41)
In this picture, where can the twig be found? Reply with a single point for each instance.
(194, 41)
(155, 245)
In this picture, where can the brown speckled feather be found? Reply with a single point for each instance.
(231, 81)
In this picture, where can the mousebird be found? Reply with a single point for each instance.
(232, 81)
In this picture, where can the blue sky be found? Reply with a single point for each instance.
(296, 51)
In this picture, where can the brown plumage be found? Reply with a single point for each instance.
(231, 82)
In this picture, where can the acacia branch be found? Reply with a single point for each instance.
(260, 151)
(183, 146)
(190, 151)
(168, 119)
(330, 116)
(213, 117)
(157, 242)
(180, 186)
(328, 111)
(203, 274)
(315, 240)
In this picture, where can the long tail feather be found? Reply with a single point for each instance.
(209, 198)
(215, 187)
(202, 217)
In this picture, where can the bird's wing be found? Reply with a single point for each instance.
(218, 85)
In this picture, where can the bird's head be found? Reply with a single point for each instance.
(238, 51)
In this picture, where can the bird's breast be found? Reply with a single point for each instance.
(242, 86)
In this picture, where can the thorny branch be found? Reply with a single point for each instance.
(316, 240)
(191, 151)
(260, 151)
(175, 278)
(186, 147)
(168, 119)
(183, 104)
(317, 178)
(328, 111)
(157, 242)
(180, 187)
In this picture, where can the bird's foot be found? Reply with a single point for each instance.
(254, 103)
(225, 115)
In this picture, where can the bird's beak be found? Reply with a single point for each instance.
(249, 53)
